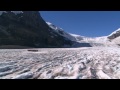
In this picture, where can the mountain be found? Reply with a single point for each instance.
(72, 37)
(27, 28)
(112, 40)
(60, 31)
(82, 41)
(114, 37)
(114, 34)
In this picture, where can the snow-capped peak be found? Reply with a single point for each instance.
(92, 41)
(60, 31)
(115, 32)
(54, 27)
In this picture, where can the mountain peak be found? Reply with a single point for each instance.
(114, 34)
(60, 31)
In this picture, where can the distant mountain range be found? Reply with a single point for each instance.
(27, 28)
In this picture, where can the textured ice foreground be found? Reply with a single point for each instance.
(61, 63)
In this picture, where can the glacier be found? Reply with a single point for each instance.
(61, 63)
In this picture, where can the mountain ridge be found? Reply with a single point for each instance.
(83, 41)
(20, 28)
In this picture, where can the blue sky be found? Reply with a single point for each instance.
(85, 23)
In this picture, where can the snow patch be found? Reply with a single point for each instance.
(15, 12)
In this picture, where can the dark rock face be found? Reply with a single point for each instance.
(28, 29)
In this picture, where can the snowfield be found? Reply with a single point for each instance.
(61, 63)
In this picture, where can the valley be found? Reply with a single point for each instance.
(32, 48)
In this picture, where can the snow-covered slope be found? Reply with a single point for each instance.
(82, 41)
(114, 34)
(114, 37)
(72, 37)
(75, 37)
(116, 41)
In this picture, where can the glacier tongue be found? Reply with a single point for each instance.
(61, 63)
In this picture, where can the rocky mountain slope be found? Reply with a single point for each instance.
(114, 37)
(60, 31)
(111, 40)
(20, 28)
(27, 28)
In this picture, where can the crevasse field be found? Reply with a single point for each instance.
(61, 63)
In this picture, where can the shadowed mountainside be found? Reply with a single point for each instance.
(28, 29)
